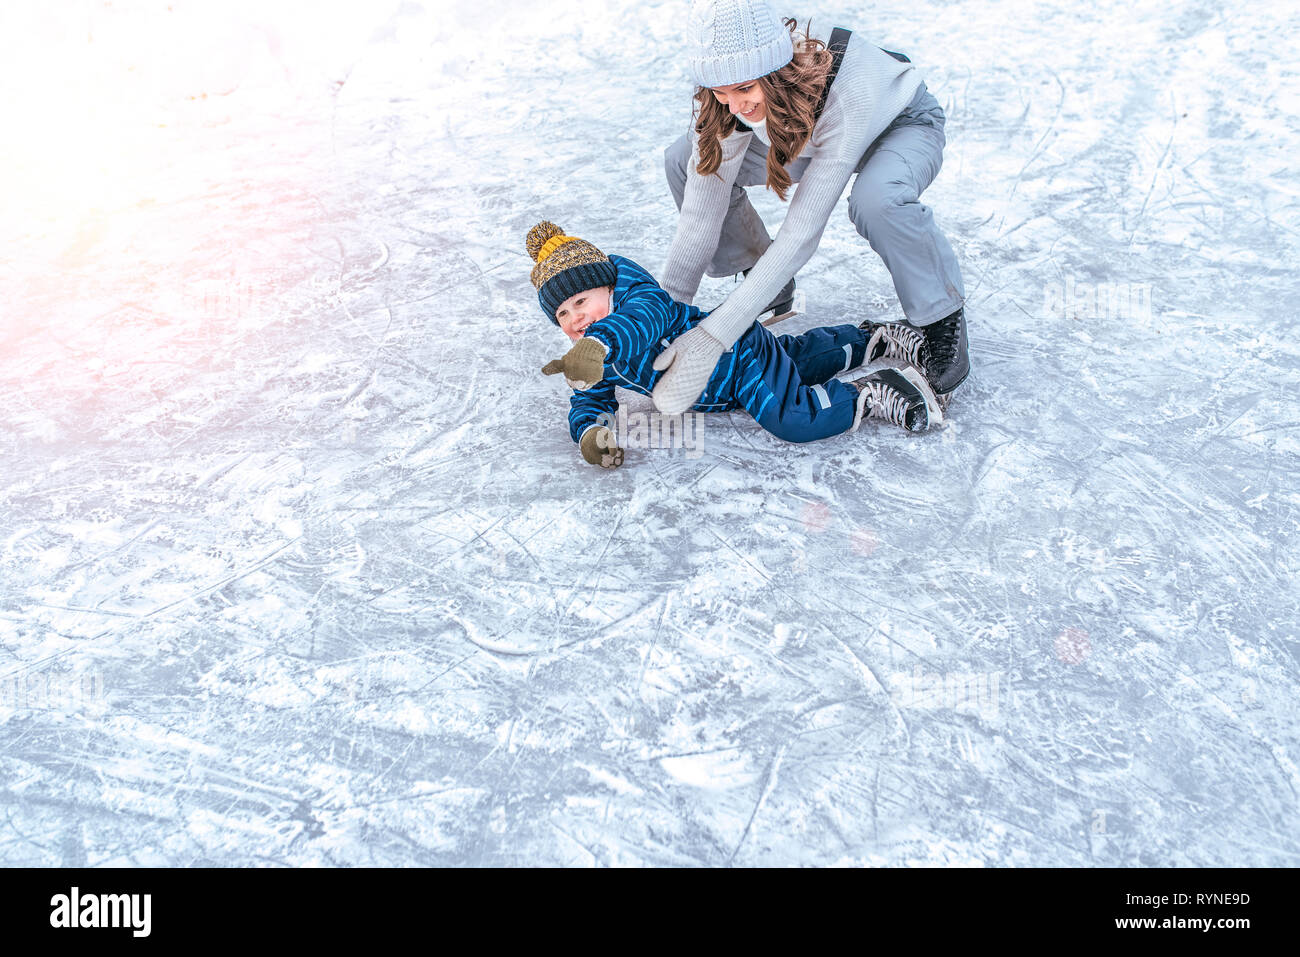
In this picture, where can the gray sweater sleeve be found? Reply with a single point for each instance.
(872, 88)
(704, 207)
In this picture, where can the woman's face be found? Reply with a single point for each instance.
(744, 100)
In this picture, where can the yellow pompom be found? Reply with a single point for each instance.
(538, 235)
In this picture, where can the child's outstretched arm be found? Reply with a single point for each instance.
(628, 337)
(590, 412)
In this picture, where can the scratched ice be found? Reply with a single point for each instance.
(301, 567)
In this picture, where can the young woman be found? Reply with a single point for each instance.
(765, 115)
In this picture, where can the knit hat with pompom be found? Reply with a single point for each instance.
(566, 266)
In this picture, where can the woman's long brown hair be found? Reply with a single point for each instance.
(791, 95)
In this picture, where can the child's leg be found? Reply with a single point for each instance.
(822, 353)
(768, 384)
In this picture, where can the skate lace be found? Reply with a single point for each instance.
(896, 341)
(944, 339)
(886, 403)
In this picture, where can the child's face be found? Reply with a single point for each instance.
(578, 312)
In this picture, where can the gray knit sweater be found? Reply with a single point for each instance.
(869, 92)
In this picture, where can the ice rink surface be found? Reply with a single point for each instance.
(300, 566)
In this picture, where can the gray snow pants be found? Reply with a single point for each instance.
(884, 205)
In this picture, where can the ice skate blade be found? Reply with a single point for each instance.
(793, 307)
(779, 317)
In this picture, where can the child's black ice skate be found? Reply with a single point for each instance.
(896, 340)
(898, 395)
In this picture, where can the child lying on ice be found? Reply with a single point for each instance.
(620, 321)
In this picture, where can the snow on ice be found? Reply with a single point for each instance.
(301, 566)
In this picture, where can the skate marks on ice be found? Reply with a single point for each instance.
(302, 567)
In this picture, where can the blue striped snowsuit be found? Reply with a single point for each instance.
(785, 382)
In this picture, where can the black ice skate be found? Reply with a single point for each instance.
(898, 395)
(896, 340)
(940, 349)
(949, 359)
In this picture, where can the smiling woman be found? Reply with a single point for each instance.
(745, 100)
(789, 95)
(774, 108)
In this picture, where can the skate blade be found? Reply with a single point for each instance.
(796, 307)
(774, 319)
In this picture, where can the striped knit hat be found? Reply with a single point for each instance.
(566, 265)
(734, 41)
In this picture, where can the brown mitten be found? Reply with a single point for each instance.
(598, 448)
(583, 365)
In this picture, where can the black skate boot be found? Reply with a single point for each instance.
(898, 395)
(784, 300)
(949, 361)
(939, 350)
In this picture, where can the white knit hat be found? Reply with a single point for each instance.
(733, 41)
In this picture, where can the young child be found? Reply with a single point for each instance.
(621, 321)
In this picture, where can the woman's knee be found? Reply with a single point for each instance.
(933, 111)
(876, 208)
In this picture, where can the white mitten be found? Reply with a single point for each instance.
(690, 360)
